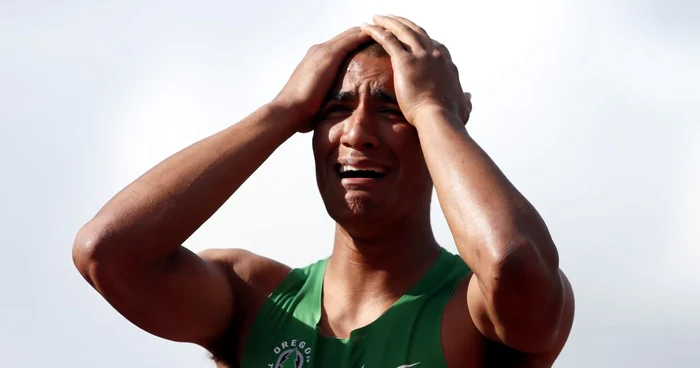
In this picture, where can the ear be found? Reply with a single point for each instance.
(467, 106)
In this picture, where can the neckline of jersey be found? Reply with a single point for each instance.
(420, 287)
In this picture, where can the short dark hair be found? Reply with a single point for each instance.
(370, 48)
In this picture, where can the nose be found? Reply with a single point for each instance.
(359, 131)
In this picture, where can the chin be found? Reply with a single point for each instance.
(356, 209)
(361, 207)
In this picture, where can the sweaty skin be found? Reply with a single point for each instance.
(405, 113)
(375, 258)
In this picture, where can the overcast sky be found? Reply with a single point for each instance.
(591, 109)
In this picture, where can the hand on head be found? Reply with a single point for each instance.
(425, 78)
(306, 89)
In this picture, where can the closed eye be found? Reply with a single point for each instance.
(392, 111)
(336, 110)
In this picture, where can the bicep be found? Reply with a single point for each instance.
(185, 297)
(514, 332)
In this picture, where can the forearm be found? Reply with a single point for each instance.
(155, 214)
(493, 225)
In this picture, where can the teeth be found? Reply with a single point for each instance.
(345, 168)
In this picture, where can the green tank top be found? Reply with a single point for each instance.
(285, 333)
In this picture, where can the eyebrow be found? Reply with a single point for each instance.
(384, 96)
(349, 96)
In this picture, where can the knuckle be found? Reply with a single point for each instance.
(442, 53)
(420, 54)
(385, 35)
(321, 50)
(315, 48)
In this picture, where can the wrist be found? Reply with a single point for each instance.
(287, 113)
(282, 118)
(431, 115)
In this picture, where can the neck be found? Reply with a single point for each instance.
(366, 275)
(387, 263)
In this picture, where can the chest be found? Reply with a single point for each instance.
(314, 351)
(407, 335)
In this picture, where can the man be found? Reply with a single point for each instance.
(389, 123)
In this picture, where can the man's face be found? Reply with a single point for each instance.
(369, 164)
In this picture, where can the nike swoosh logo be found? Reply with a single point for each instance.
(408, 365)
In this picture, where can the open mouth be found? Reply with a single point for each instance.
(351, 172)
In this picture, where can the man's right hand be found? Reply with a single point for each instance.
(307, 87)
(131, 251)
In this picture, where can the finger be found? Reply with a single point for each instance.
(348, 40)
(350, 32)
(385, 38)
(445, 53)
(404, 33)
(443, 49)
(413, 26)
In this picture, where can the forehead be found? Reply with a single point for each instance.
(363, 71)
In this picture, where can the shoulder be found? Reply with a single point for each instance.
(252, 278)
(255, 279)
(248, 270)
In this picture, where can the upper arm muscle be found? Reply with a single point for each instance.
(183, 298)
(486, 321)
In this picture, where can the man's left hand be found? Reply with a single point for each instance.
(425, 79)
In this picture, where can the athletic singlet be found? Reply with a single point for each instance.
(285, 333)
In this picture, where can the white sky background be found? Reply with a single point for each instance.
(590, 108)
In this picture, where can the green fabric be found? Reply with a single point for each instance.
(285, 332)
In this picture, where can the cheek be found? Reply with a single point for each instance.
(326, 137)
(403, 139)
